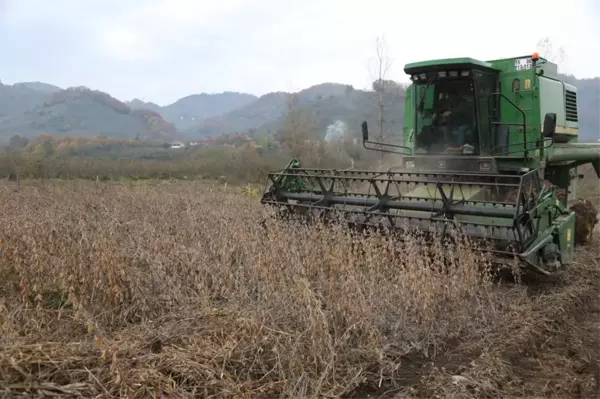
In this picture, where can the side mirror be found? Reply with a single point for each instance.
(549, 125)
(365, 131)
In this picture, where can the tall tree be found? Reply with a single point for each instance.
(298, 130)
(380, 66)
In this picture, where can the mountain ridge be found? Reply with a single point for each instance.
(30, 108)
(189, 110)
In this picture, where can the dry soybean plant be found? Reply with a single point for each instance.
(179, 290)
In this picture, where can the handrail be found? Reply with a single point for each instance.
(544, 147)
(389, 145)
(524, 124)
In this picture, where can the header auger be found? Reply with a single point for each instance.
(490, 148)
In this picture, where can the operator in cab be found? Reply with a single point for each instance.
(452, 125)
(463, 117)
(457, 123)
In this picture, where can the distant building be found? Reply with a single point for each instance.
(177, 144)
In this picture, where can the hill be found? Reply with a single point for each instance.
(29, 110)
(39, 86)
(190, 110)
(137, 104)
(265, 109)
(326, 104)
(17, 99)
(588, 92)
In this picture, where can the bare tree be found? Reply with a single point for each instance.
(380, 66)
(298, 131)
(546, 50)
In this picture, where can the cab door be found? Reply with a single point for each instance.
(487, 112)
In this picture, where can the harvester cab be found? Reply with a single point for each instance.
(489, 148)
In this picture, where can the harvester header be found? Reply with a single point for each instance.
(490, 147)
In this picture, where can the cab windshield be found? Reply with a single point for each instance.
(445, 117)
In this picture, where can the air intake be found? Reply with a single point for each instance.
(571, 106)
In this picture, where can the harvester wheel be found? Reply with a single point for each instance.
(586, 217)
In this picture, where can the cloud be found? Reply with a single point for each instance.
(161, 50)
(154, 28)
(126, 44)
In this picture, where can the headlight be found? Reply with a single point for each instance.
(410, 164)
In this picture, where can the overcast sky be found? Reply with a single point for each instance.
(161, 50)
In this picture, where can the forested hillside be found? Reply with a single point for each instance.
(32, 108)
(326, 106)
(190, 110)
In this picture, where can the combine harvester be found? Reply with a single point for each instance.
(490, 149)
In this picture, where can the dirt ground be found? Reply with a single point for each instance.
(560, 360)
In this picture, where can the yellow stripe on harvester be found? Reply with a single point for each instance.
(565, 130)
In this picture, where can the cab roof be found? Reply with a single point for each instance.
(444, 63)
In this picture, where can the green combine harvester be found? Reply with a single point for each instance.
(490, 149)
